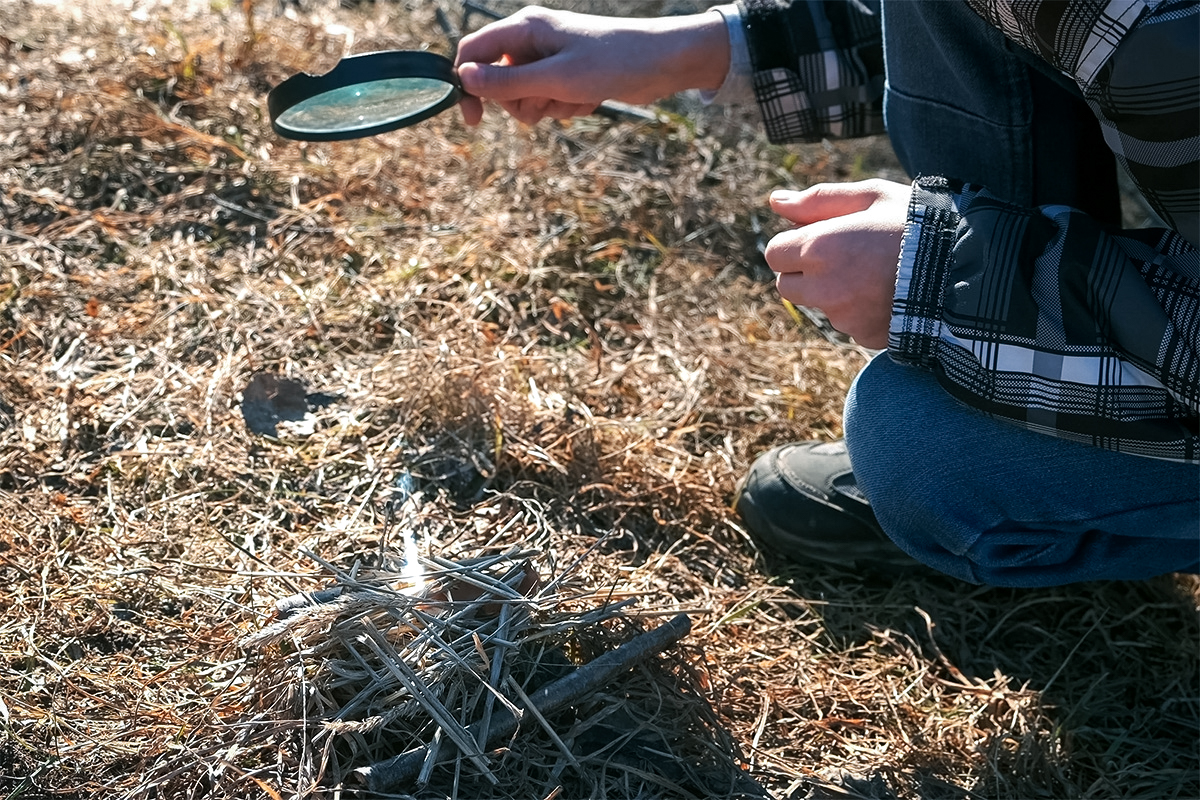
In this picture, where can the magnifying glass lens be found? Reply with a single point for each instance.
(363, 106)
(364, 95)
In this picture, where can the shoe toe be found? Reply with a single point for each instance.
(801, 501)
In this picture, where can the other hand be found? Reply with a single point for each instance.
(843, 256)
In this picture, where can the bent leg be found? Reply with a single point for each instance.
(992, 503)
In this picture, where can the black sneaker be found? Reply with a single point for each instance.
(801, 502)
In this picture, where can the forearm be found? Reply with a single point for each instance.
(681, 53)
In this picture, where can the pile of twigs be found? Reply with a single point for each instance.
(467, 676)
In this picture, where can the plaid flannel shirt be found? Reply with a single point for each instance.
(1042, 317)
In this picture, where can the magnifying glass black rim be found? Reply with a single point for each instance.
(364, 68)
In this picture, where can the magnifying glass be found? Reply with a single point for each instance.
(364, 95)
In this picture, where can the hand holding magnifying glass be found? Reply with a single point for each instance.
(535, 64)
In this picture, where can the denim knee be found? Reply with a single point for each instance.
(915, 497)
(989, 502)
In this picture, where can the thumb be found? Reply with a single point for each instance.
(823, 201)
(498, 82)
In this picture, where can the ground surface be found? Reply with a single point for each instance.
(564, 336)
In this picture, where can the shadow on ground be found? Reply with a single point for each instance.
(1114, 667)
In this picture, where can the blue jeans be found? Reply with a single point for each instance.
(992, 503)
(980, 499)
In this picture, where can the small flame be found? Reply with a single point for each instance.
(409, 502)
(412, 572)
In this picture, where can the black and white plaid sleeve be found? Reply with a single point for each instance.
(1044, 318)
(817, 67)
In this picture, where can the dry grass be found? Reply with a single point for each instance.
(562, 338)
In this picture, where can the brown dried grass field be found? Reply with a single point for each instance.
(552, 347)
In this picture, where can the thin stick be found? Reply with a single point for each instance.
(536, 714)
(489, 702)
